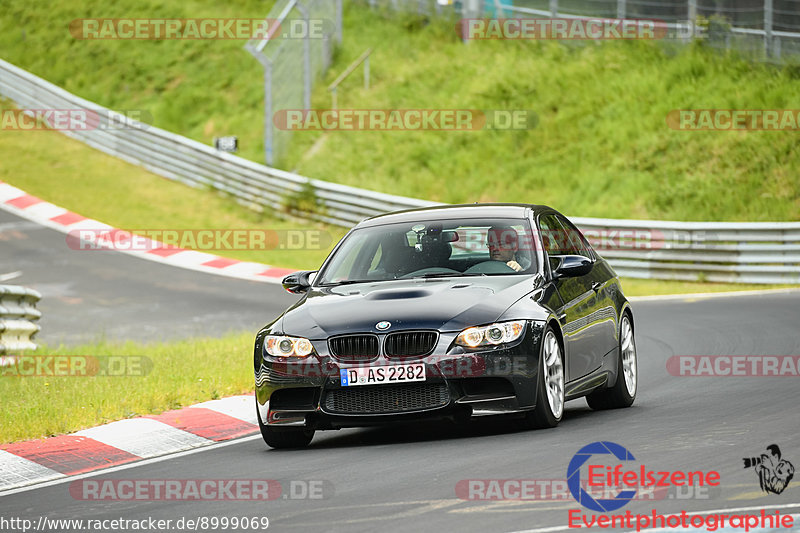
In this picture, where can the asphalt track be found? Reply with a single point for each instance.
(92, 294)
(404, 478)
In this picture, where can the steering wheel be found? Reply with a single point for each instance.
(430, 270)
(489, 267)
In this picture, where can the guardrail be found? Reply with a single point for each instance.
(725, 252)
(17, 311)
(728, 252)
(175, 157)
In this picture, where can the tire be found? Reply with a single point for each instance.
(280, 438)
(550, 390)
(623, 393)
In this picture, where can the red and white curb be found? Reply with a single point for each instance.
(20, 203)
(125, 441)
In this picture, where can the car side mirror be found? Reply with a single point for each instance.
(572, 266)
(299, 282)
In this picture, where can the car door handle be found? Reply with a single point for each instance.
(596, 285)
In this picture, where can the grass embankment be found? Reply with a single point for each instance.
(601, 148)
(163, 376)
(70, 174)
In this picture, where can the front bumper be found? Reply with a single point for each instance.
(459, 384)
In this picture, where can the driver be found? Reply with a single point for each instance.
(503, 245)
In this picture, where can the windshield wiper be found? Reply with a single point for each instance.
(349, 282)
(444, 275)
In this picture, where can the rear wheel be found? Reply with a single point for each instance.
(550, 394)
(623, 392)
(284, 437)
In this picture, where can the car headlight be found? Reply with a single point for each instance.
(284, 346)
(491, 335)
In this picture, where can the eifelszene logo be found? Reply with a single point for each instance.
(574, 477)
(608, 478)
(774, 473)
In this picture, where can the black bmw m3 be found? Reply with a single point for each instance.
(447, 312)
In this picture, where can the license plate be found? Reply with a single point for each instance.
(374, 375)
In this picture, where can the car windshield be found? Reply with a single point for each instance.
(435, 248)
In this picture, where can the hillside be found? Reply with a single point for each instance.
(601, 146)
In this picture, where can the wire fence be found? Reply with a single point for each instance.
(760, 29)
(297, 50)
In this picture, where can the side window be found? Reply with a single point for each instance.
(552, 235)
(576, 242)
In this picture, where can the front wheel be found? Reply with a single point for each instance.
(550, 394)
(623, 392)
(280, 438)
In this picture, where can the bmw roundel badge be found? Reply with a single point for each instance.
(383, 324)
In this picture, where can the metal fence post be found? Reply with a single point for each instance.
(366, 73)
(268, 133)
(338, 21)
(307, 74)
(621, 9)
(554, 8)
(767, 27)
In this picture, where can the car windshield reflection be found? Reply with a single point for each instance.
(432, 249)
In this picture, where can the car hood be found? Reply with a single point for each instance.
(450, 304)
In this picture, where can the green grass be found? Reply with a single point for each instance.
(601, 148)
(199, 88)
(67, 173)
(181, 373)
(70, 174)
(654, 287)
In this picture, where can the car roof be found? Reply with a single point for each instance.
(443, 212)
